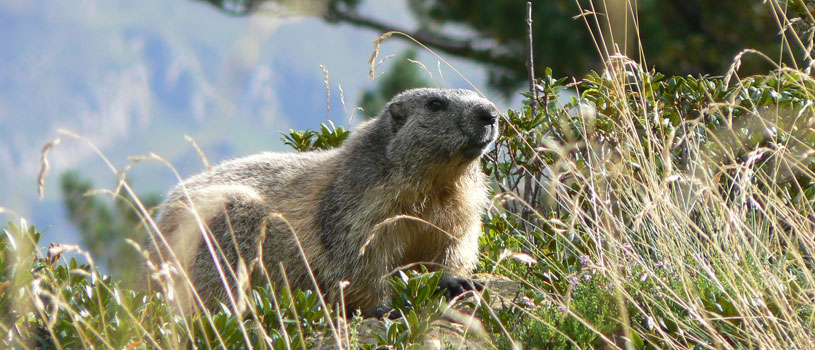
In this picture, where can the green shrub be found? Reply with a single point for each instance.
(56, 302)
(658, 212)
(686, 201)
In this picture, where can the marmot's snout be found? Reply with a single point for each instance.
(488, 116)
(484, 130)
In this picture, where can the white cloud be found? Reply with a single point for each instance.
(122, 106)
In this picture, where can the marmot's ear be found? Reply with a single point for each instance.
(398, 114)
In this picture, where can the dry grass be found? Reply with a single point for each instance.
(634, 235)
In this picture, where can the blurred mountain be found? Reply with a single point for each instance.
(134, 77)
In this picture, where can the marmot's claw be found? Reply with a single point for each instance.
(479, 286)
(454, 286)
(381, 311)
(386, 312)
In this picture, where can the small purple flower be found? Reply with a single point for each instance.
(585, 260)
(587, 278)
(573, 281)
(610, 286)
(527, 301)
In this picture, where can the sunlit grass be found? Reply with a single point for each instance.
(662, 212)
(648, 212)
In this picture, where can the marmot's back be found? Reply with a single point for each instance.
(266, 172)
(419, 158)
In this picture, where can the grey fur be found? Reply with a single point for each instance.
(419, 157)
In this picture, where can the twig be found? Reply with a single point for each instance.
(530, 64)
(528, 192)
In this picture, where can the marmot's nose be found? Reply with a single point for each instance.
(486, 115)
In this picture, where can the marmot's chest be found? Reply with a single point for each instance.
(428, 229)
(414, 227)
(434, 214)
(420, 240)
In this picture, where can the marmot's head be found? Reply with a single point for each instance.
(431, 126)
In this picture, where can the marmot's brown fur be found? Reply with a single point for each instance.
(419, 158)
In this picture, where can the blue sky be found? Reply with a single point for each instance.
(134, 77)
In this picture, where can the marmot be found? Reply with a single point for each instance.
(419, 157)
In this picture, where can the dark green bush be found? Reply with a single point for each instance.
(636, 209)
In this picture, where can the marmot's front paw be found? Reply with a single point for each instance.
(383, 312)
(454, 286)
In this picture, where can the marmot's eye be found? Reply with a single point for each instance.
(436, 104)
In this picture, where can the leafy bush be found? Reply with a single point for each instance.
(418, 300)
(652, 211)
(328, 137)
(636, 210)
(662, 212)
(50, 302)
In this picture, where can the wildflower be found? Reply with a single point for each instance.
(644, 277)
(585, 260)
(527, 301)
(628, 252)
(573, 281)
(610, 286)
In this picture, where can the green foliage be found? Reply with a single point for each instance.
(417, 291)
(104, 226)
(643, 198)
(653, 211)
(418, 299)
(667, 30)
(56, 302)
(300, 317)
(51, 304)
(15, 267)
(641, 211)
(329, 136)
